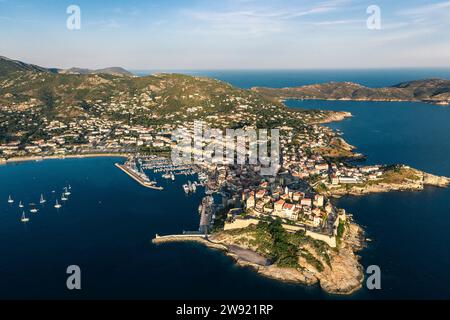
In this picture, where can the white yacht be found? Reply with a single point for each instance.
(57, 205)
(66, 192)
(24, 218)
(34, 210)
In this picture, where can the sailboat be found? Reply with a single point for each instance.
(10, 200)
(42, 200)
(24, 218)
(20, 204)
(34, 210)
(63, 197)
(66, 192)
(57, 205)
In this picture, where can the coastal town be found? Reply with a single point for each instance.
(284, 225)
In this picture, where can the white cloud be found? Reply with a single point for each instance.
(427, 9)
(258, 19)
(105, 24)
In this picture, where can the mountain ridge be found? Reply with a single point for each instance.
(433, 90)
(8, 66)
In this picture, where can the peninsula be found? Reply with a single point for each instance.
(435, 91)
(285, 226)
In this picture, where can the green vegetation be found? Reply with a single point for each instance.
(398, 174)
(340, 229)
(284, 249)
(312, 260)
(221, 217)
(428, 89)
(321, 188)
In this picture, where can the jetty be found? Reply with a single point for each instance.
(129, 171)
(236, 252)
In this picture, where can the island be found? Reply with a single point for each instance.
(284, 226)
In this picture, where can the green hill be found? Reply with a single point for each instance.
(428, 90)
(8, 66)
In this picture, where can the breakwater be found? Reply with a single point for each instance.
(138, 179)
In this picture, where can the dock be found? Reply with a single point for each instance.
(137, 178)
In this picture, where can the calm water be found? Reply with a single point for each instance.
(410, 230)
(109, 221)
(106, 228)
(286, 78)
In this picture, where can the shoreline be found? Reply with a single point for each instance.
(424, 180)
(225, 250)
(433, 102)
(304, 277)
(72, 156)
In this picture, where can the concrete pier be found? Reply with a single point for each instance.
(137, 178)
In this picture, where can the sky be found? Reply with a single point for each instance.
(227, 34)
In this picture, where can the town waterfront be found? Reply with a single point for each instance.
(107, 225)
(409, 229)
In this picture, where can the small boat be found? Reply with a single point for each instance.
(42, 200)
(10, 200)
(57, 205)
(24, 219)
(66, 192)
(64, 198)
(34, 210)
(186, 188)
(172, 176)
(20, 204)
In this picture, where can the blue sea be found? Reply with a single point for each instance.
(107, 225)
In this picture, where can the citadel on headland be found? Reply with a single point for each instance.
(284, 225)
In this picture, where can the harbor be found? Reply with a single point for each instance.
(137, 173)
(135, 167)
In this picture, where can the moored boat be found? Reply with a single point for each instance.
(24, 219)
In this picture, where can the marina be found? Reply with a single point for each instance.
(131, 169)
(136, 165)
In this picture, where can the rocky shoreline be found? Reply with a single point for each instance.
(434, 102)
(424, 180)
(343, 277)
(335, 116)
(432, 91)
